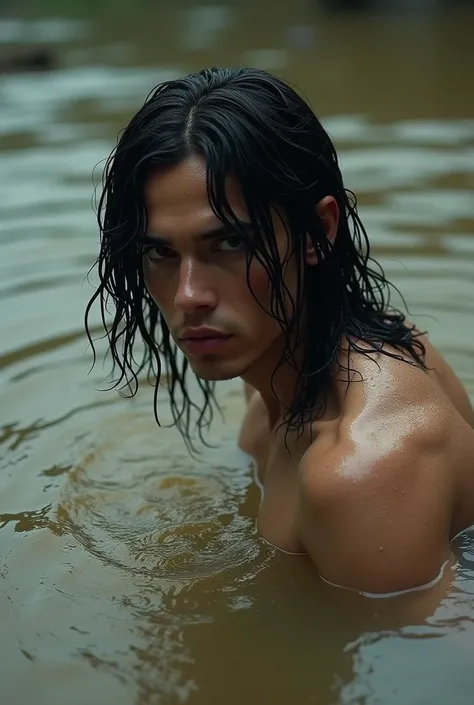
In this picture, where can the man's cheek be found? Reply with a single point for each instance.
(259, 282)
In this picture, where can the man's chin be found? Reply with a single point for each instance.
(213, 372)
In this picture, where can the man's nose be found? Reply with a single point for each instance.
(194, 287)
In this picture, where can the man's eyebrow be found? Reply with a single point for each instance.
(221, 230)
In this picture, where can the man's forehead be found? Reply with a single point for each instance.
(186, 183)
(177, 203)
(183, 227)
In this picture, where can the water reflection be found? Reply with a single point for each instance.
(131, 572)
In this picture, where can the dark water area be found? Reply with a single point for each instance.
(130, 572)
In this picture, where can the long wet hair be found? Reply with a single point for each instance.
(249, 124)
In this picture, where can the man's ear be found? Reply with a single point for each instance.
(328, 212)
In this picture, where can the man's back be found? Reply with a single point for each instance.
(390, 408)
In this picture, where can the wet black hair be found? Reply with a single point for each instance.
(250, 124)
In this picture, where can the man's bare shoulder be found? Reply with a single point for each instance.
(388, 409)
(377, 500)
(376, 508)
(391, 408)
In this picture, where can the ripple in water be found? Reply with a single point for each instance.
(169, 517)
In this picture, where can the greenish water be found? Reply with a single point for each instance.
(131, 573)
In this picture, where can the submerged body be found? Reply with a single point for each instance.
(230, 241)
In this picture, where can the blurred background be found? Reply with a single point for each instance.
(119, 578)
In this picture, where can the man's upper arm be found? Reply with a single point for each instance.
(376, 527)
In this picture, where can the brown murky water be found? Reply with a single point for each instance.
(131, 573)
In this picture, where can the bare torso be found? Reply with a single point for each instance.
(388, 388)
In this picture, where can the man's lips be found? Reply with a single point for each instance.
(201, 345)
(203, 333)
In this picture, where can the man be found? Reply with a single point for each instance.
(228, 235)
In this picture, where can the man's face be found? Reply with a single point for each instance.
(196, 274)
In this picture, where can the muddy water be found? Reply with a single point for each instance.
(131, 573)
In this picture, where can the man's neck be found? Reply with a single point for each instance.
(277, 390)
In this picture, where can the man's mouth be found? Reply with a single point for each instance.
(202, 345)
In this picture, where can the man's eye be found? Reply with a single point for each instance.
(233, 243)
(155, 254)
